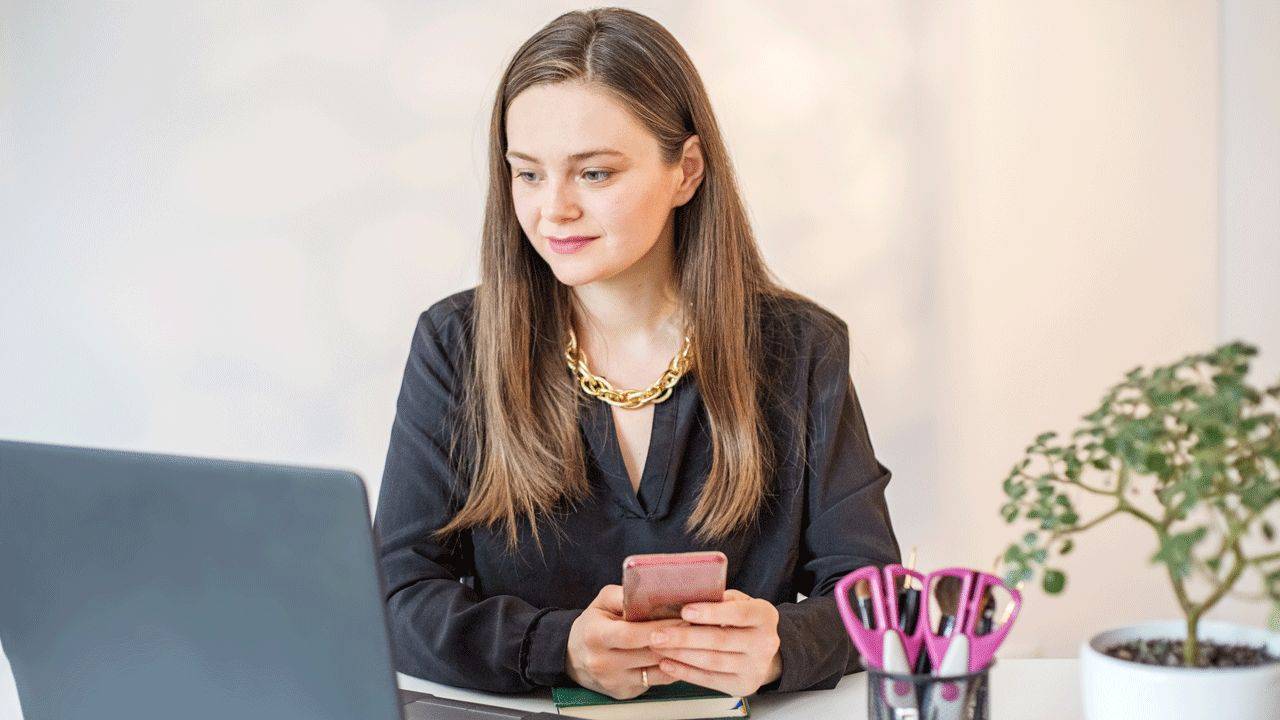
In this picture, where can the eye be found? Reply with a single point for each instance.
(606, 173)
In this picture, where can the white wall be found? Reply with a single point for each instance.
(1249, 188)
(220, 222)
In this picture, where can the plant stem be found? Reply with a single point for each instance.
(1101, 518)
(1179, 589)
(1191, 648)
(1222, 588)
(1089, 488)
(1126, 507)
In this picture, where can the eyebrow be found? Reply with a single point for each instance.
(576, 156)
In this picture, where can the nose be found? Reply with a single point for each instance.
(561, 201)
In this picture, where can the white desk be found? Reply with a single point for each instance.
(1020, 690)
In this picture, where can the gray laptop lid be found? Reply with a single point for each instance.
(143, 586)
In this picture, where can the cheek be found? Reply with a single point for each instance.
(635, 213)
(526, 210)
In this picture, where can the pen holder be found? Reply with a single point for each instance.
(891, 696)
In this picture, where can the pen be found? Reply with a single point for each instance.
(862, 601)
(909, 598)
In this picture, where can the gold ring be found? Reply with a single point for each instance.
(644, 676)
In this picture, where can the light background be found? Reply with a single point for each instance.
(219, 223)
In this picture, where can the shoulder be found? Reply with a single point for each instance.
(443, 331)
(447, 319)
(795, 324)
(450, 310)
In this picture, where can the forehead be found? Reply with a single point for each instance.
(552, 123)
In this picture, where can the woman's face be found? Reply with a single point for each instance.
(624, 198)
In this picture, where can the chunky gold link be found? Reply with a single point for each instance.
(598, 387)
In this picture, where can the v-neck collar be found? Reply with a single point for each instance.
(654, 495)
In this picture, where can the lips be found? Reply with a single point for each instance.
(569, 244)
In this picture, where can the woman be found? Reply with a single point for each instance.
(517, 468)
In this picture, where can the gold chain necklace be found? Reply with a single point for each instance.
(598, 387)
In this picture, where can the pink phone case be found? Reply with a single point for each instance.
(656, 586)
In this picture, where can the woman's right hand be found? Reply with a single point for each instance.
(607, 653)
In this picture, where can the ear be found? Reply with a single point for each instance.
(692, 168)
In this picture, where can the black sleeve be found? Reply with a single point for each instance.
(846, 523)
(441, 629)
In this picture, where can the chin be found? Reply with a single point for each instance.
(573, 276)
(577, 269)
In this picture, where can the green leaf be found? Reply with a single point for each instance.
(1175, 552)
(1054, 581)
(1013, 555)
(1009, 512)
(1274, 621)
(1030, 539)
(1157, 463)
(1210, 436)
(1259, 493)
(1067, 547)
(1019, 574)
(1015, 488)
(1194, 482)
(1044, 437)
(1073, 467)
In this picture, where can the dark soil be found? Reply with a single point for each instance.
(1212, 654)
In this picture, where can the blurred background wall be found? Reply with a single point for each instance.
(219, 222)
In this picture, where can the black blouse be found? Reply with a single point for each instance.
(505, 626)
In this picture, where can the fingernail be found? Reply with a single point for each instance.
(658, 638)
(691, 614)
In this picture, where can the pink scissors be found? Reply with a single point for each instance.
(956, 648)
(895, 642)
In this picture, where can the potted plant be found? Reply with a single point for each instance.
(1191, 451)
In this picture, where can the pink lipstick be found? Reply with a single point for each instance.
(570, 244)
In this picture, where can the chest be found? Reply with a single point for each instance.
(634, 428)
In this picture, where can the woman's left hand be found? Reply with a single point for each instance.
(731, 646)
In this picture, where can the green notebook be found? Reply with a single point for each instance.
(677, 701)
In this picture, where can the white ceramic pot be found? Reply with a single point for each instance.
(1122, 690)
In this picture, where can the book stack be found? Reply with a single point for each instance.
(677, 701)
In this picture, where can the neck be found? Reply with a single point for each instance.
(628, 310)
(640, 303)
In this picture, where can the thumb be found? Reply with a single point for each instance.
(610, 599)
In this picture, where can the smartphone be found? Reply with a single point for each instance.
(656, 586)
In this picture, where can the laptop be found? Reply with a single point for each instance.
(138, 586)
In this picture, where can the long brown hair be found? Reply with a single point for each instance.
(520, 404)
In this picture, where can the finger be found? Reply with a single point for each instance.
(702, 637)
(629, 659)
(658, 677)
(713, 660)
(723, 682)
(737, 613)
(609, 598)
(631, 635)
(732, 594)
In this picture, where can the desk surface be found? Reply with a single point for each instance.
(1024, 689)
